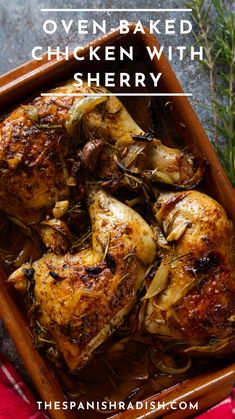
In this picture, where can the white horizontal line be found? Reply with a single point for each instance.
(116, 10)
(115, 94)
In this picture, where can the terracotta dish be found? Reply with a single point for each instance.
(33, 77)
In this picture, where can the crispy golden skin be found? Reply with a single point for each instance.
(82, 297)
(198, 301)
(32, 174)
(36, 138)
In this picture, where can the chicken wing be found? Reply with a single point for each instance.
(81, 298)
(193, 298)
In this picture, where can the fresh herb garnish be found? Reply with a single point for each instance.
(215, 30)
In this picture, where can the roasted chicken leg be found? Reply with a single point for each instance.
(37, 139)
(193, 298)
(81, 298)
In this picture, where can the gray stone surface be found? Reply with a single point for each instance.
(21, 29)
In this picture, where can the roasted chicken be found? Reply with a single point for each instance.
(192, 297)
(81, 298)
(39, 143)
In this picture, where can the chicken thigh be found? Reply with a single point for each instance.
(193, 298)
(82, 297)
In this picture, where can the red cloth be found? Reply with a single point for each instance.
(16, 400)
(223, 410)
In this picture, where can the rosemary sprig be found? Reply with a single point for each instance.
(82, 241)
(216, 32)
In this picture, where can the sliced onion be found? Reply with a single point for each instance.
(182, 292)
(165, 368)
(78, 109)
(132, 154)
(60, 208)
(162, 177)
(24, 255)
(173, 371)
(159, 281)
(177, 231)
(161, 240)
(31, 111)
(213, 347)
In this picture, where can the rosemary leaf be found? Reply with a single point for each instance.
(215, 31)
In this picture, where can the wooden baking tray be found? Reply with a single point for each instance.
(25, 81)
